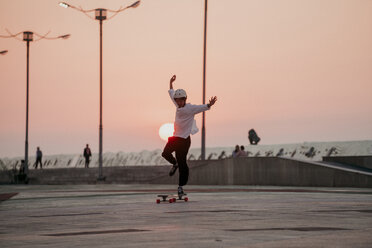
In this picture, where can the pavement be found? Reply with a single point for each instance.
(215, 216)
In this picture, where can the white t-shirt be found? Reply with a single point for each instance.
(184, 123)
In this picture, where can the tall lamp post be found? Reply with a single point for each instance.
(28, 37)
(100, 15)
(204, 69)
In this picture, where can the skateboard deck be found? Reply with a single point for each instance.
(182, 197)
(171, 198)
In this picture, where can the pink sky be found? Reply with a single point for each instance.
(294, 70)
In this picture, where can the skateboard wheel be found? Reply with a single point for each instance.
(174, 200)
(158, 201)
(186, 199)
(170, 200)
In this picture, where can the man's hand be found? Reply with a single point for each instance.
(171, 81)
(212, 101)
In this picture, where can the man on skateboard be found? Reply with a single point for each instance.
(184, 125)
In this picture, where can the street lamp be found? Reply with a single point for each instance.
(204, 83)
(3, 52)
(28, 37)
(64, 5)
(100, 15)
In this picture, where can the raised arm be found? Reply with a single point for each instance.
(171, 91)
(196, 109)
(171, 82)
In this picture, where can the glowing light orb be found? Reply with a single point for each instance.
(166, 130)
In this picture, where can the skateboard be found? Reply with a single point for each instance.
(171, 198)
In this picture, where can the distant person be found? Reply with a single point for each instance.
(242, 153)
(184, 126)
(87, 155)
(253, 137)
(39, 157)
(236, 152)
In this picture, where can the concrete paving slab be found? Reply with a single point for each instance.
(215, 216)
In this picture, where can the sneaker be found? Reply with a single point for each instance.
(173, 170)
(180, 191)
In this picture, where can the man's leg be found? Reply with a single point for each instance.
(37, 162)
(168, 149)
(181, 155)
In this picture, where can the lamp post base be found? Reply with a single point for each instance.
(101, 179)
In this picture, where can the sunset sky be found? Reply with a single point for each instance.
(295, 70)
